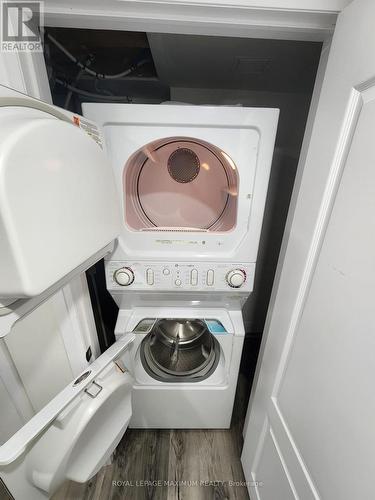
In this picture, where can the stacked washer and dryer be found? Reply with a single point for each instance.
(192, 183)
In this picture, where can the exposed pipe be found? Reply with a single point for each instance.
(70, 93)
(91, 72)
(91, 94)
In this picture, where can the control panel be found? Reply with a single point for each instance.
(176, 276)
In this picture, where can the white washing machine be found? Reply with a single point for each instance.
(200, 395)
(192, 183)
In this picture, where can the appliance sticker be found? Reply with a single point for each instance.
(90, 128)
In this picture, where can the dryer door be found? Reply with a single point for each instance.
(74, 435)
(58, 201)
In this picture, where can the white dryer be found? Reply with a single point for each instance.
(192, 183)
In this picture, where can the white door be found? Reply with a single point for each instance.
(310, 426)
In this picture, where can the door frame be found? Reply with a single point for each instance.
(26, 72)
(280, 19)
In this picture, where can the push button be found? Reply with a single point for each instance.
(210, 277)
(150, 276)
(194, 277)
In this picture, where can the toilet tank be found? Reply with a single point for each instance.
(58, 203)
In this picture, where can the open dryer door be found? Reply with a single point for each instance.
(58, 201)
(59, 213)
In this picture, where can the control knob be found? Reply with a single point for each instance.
(236, 278)
(124, 276)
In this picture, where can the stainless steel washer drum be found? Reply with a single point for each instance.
(180, 350)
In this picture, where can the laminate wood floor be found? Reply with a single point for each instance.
(172, 465)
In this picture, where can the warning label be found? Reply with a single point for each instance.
(90, 128)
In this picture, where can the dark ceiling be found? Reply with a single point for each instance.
(235, 63)
(177, 61)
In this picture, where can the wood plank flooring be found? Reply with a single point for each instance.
(172, 465)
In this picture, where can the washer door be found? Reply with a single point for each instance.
(82, 438)
(75, 433)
